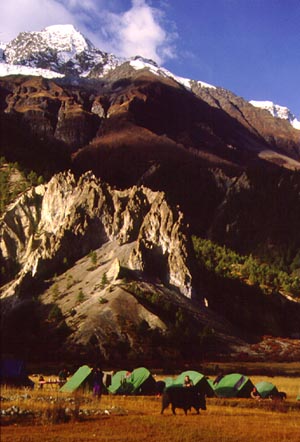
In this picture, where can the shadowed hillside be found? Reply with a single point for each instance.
(100, 258)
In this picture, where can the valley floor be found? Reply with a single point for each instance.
(132, 419)
(216, 424)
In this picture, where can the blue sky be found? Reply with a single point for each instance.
(251, 47)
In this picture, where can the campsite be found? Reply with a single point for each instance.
(130, 408)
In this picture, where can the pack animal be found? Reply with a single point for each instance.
(183, 397)
(279, 395)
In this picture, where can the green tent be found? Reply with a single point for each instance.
(266, 389)
(78, 380)
(118, 380)
(234, 385)
(169, 382)
(198, 379)
(140, 381)
(212, 386)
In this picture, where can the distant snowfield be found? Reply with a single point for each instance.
(14, 69)
(186, 82)
(277, 111)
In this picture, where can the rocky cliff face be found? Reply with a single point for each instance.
(133, 128)
(149, 138)
(230, 167)
(131, 295)
(88, 270)
(63, 220)
(52, 113)
(274, 136)
(210, 122)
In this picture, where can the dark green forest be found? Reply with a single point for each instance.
(226, 263)
(14, 180)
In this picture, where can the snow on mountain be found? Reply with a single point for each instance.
(61, 50)
(66, 38)
(63, 39)
(141, 63)
(277, 111)
(2, 49)
(12, 69)
(18, 69)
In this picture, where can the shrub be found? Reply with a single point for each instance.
(70, 281)
(56, 413)
(102, 300)
(104, 280)
(80, 296)
(32, 178)
(93, 257)
(55, 313)
(55, 291)
(154, 298)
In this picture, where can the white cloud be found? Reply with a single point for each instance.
(139, 30)
(30, 15)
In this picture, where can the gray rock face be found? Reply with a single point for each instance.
(66, 218)
(61, 49)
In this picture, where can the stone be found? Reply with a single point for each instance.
(66, 218)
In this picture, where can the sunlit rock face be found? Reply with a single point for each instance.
(66, 218)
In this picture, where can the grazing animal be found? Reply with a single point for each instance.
(183, 397)
(279, 395)
(159, 387)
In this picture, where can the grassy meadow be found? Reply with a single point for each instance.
(138, 418)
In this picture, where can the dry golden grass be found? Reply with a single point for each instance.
(133, 419)
(218, 423)
(254, 368)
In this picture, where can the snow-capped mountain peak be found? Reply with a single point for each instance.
(59, 48)
(59, 39)
(67, 38)
(277, 111)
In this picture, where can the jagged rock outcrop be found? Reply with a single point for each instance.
(63, 220)
(133, 128)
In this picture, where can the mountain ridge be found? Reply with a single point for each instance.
(61, 50)
(277, 111)
(134, 163)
